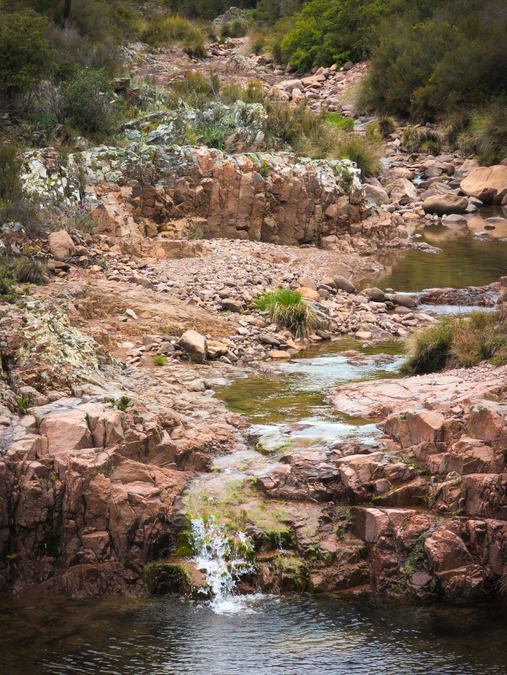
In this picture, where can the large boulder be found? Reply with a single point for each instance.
(487, 183)
(402, 191)
(442, 204)
(61, 245)
(194, 344)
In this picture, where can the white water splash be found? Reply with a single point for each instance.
(222, 563)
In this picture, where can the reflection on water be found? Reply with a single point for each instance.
(466, 259)
(284, 636)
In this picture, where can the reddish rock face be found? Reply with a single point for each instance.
(78, 515)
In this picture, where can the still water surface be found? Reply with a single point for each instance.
(279, 636)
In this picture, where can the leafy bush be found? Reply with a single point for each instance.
(89, 103)
(331, 31)
(26, 55)
(288, 310)
(462, 342)
(437, 57)
(159, 360)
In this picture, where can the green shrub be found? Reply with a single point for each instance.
(89, 103)
(22, 210)
(234, 29)
(359, 149)
(437, 57)
(159, 360)
(486, 133)
(194, 48)
(331, 31)
(29, 271)
(288, 310)
(26, 55)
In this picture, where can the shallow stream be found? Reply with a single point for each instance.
(258, 634)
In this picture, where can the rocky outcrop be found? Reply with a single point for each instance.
(141, 190)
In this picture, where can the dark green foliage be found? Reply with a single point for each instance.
(234, 29)
(332, 31)
(88, 103)
(26, 55)
(438, 56)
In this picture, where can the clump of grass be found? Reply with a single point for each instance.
(486, 134)
(429, 349)
(29, 271)
(197, 90)
(252, 93)
(282, 296)
(159, 360)
(421, 140)
(463, 342)
(339, 121)
(288, 310)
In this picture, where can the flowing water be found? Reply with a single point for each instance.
(230, 634)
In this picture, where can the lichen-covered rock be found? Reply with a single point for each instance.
(272, 197)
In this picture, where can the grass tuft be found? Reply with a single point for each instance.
(288, 310)
(463, 342)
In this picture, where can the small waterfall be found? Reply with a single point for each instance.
(222, 559)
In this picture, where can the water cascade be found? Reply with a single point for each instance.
(223, 558)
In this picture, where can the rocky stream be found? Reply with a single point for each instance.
(188, 488)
